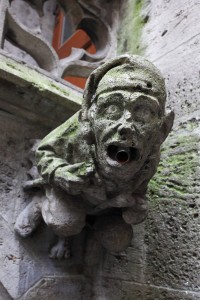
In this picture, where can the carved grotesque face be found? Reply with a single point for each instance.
(126, 126)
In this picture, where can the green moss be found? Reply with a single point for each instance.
(129, 38)
(11, 65)
(177, 169)
(73, 127)
(27, 77)
(59, 89)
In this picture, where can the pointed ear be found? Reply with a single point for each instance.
(86, 128)
(88, 134)
(166, 126)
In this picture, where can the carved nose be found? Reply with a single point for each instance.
(125, 131)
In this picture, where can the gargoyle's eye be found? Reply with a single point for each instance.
(144, 114)
(113, 111)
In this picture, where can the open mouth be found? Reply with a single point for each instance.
(123, 155)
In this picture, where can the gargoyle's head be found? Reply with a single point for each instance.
(123, 113)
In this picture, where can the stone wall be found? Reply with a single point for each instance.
(31, 104)
(169, 241)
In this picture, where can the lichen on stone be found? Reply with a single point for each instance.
(129, 37)
(177, 169)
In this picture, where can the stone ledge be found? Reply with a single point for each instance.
(132, 290)
(33, 94)
(59, 288)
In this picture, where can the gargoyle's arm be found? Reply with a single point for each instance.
(134, 207)
(53, 164)
(122, 200)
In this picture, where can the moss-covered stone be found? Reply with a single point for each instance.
(33, 95)
(172, 234)
(177, 169)
(129, 38)
(20, 74)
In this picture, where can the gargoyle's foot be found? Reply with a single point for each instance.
(61, 250)
(29, 218)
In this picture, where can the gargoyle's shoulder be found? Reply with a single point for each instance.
(70, 130)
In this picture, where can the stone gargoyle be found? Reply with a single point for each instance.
(99, 162)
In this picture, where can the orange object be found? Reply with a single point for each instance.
(57, 34)
(78, 81)
(77, 39)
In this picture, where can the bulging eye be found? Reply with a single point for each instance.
(113, 111)
(144, 114)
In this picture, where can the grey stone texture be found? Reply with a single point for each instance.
(27, 32)
(15, 137)
(170, 238)
(32, 94)
(173, 47)
(162, 262)
(41, 23)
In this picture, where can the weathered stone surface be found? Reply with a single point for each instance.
(169, 243)
(126, 290)
(51, 288)
(15, 136)
(4, 294)
(31, 94)
(174, 47)
(30, 34)
(173, 237)
(23, 263)
(99, 162)
(131, 26)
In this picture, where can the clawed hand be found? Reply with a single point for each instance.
(73, 178)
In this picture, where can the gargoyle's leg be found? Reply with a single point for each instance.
(65, 214)
(30, 217)
(61, 249)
